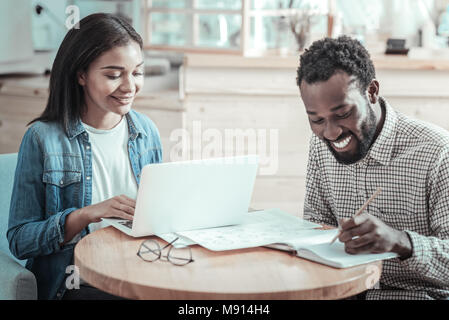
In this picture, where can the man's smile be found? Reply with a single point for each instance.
(341, 145)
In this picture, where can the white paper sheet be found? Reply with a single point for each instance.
(182, 242)
(258, 229)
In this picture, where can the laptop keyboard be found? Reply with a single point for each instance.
(127, 223)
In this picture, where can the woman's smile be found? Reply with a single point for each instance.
(123, 100)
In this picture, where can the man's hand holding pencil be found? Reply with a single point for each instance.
(364, 233)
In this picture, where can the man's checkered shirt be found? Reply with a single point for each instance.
(410, 162)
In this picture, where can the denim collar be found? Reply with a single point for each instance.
(134, 127)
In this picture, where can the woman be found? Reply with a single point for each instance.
(80, 161)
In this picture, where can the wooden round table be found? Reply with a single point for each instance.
(107, 259)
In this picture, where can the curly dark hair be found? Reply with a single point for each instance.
(327, 56)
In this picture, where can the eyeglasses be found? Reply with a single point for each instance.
(150, 251)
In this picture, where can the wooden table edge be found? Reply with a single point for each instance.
(346, 288)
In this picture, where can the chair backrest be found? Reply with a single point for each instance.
(7, 169)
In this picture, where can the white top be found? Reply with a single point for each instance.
(112, 174)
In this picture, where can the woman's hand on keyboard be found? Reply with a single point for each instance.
(116, 207)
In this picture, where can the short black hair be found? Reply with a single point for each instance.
(327, 56)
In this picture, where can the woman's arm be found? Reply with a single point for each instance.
(117, 207)
(30, 233)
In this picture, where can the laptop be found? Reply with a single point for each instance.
(190, 195)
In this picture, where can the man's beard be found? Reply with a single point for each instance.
(368, 131)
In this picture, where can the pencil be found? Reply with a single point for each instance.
(367, 202)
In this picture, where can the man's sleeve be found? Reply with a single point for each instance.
(430, 253)
(316, 206)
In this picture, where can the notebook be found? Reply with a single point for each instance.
(257, 229)
(276, 229)
(315, 245)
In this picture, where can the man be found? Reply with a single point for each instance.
(360, 143)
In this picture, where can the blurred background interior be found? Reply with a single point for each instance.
(245, 27)
(231, 64)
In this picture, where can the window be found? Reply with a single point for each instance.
(249, 27)
(225, 26)
(194, 25)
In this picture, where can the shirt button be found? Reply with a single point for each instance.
(87, 147)
(88, 178)
(61, 182)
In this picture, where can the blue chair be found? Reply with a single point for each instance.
(17, 282)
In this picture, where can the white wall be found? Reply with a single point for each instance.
(49, 27)
(15, 31)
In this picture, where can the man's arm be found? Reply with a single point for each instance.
(373, 236)
(316, 207)
(430, 254)
(427, 255)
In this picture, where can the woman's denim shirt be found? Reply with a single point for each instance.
(52, 179)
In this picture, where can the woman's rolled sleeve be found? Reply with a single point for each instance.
(30, 232)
